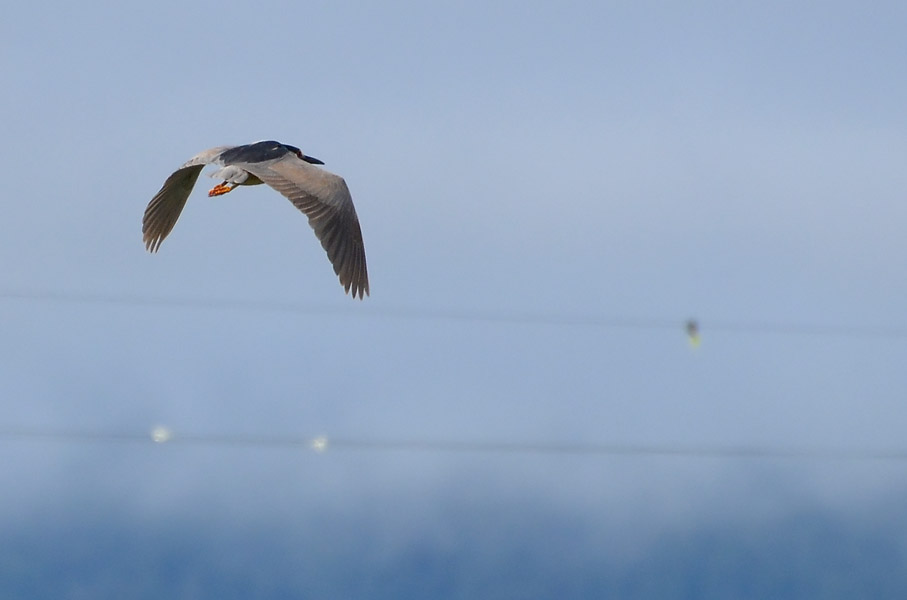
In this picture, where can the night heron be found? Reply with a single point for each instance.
(322, 196)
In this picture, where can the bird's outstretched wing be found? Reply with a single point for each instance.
(326, 201)
(166, 206)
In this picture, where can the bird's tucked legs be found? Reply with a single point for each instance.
(220, 189)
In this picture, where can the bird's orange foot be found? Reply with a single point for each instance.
(219, 190)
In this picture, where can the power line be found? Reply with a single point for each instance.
(321, 444)
(131, 300)
(851, 330)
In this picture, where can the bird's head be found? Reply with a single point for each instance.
(298, 152)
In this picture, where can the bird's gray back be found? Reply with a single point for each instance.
(207, 157)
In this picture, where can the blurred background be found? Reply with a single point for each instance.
(547, 192)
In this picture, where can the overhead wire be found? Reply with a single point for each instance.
(693, 327)
(323, 443)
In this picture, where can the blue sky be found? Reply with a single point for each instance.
(590, 162)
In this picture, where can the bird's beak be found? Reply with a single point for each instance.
(312, 160)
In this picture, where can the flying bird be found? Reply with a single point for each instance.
(322, 196)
